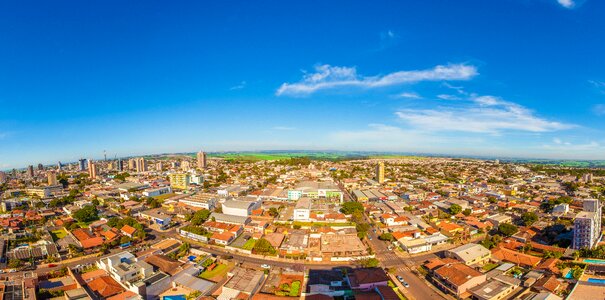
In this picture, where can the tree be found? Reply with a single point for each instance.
(369, 262)
(273, 212)
(467, 212)
(507, 229)
(14, 263)
(86, 214)
(529, 218)
(387, 236)
(455, 209)
(263, 247)
(351, 207)
(200, 216)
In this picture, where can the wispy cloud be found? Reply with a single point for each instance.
(239, 86)
(567, 3)
(283, 128)
(484, 114)
(388, 38)
(599, 109)
(600, 85)
(330, 77)
(408, 95)
(448, 97)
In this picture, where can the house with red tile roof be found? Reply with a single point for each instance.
(128, 230)
(515, 257)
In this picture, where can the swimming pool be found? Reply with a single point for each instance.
(175, 297)
(595, 261)
(596, 280)
(569, 275)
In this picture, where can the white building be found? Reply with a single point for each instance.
(587, 225)
(240, 207)
(302, 211)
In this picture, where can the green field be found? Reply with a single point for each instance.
(58, 234)
(249, 244)
(257, 156)
(218, 270)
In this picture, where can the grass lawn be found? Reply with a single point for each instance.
(219, 270)
(164, 197)
(58, 234)
(489, 267)
(249, 244)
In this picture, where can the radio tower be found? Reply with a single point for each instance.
(105, 154)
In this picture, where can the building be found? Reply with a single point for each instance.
(470, 254)
(587, 225)
(119, 165)
(45, 191)
(157, 217)
(157, 191)
(82, 164)
(200, 201)
(316, 190)
(92, 169)
(241, 281)
(302, 210)
(201, 160)
(240, 207)
(3, 177)
(141, 164)
(135, 275)
(30, 171)
(457, 278)
(380, 172)
(180, 180)
(51, 176)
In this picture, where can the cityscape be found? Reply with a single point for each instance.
(280, 150)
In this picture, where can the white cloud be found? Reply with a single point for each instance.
(599, 109)
(330, 77)
(485, 114)
(448, 97)
(567, 3)
(239, 86)
(409, 95)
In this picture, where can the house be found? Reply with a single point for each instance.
(241, 283)
(457, 278)
(498, 219)
(367, 279)
(128, 230)
(415, 245)
(470, 254)
(327, 283)
(157, 217)
(521, 259)
(492, 290)
(302, 210)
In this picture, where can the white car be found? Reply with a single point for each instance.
(265, 266)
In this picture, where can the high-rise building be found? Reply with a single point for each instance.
(59, 166)
(159, 166)
(40, 167)
(179, 180)
(185, 165)
(141, 164)
(201, 160)
(82, 164)
(380, 172)
(30, 171)
(120, 165)
(92, 169)
(132, 164)
(52, 177)
(587, 225)
(3, 177)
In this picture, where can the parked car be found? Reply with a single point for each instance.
(265, 266)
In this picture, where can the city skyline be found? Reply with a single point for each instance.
(516, 78)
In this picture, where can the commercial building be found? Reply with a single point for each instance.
(157, 217)
(587, 225)
(30, 171)
(470, 254)
(200, 200)
(316, 190)
(240, 207)
(302, 211)
(179, 180)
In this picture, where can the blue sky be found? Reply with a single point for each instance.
(522, 78)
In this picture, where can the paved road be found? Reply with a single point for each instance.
(389, 259)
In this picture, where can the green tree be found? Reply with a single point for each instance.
(467, 212)
(351, 207)
(200, 216)
(507, 229)
(274, 212)
(455, 209)
(263, 247)
(87, 214)
(529, 218)
(387, 236)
